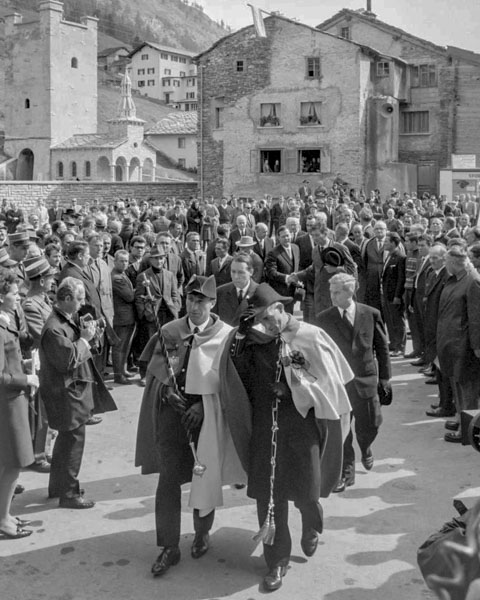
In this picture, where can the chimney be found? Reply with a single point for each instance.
(369, 6)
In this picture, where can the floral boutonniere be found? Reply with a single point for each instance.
(300, 366)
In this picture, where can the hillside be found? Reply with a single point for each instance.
(176, 23)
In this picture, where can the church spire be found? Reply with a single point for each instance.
(126, 108)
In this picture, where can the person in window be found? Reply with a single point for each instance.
(276, 167)
(266, 167)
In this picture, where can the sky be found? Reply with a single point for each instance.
(443, 22)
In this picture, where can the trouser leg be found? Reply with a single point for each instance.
(202, 525)
(312, 515)
(278, 554)
(349, 454)
(121, 350)
(445, 392)
(168, 510)
(368, 418)
(66, 462)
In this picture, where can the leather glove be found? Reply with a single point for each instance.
(246, 321)
(176, 401)
(193, 417)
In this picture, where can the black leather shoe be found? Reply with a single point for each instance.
(418, 363)
(200, 545)
(453, 436)
(452, 425)
(411, 355)
(76, 502)
(439, 412)
(309, 542)
(367, 459)
(431, 381)
(122, 380)
(435, 405)
(343, 484)
(53, 494)
(169, 557)
(273, 580)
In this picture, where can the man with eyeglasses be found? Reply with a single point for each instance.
(137, 252)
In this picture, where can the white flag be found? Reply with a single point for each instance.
(258, 22)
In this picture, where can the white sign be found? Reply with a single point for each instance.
(464, 161)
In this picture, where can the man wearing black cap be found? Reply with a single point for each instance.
(193, 407)
(282, 391)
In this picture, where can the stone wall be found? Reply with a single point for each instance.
(25, 194)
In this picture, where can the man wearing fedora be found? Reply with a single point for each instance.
(246, 245)
(283, 395)
(156, 299)
(233, 298)
(360, 333)
(187, 413)
(239, 231)
(37, 307)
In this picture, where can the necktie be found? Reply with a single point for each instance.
(240, 296)
(346, 320)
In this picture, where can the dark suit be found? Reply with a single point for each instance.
(92, 295)
(71, 388)
(228, 307)
(235, 236)
(191, 265)
(306, 245)
(267, 246)
(418, 305)
(278, 265)
(373, 260)
(361, 344)
(221, 273)
(357, 258)
(55, 215)
(393, 286)
(123, 319)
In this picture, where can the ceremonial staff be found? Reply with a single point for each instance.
(198, 468)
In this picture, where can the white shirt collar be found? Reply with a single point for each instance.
(244, 290)
(351, 312)
(200, 328)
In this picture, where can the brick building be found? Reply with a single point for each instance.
(298, 104)
(438, 118)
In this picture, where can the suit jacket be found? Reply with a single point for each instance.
(278, 265)
(458, 327)
(163, 287)
(258, 268)
(433, 290)
(267, 246)
(393, 276)
(104, 287)
(235, 236)
(373, 260)
(36, 309)
(221, 274)
(92, 296)
(227, 306)
(304, 191)
(55, 215)
(191, 266)
(361, 345)
(123, 300)
(305, 245)
(70, 385)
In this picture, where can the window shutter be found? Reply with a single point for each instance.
(291, 161)
(254, 161)
(325, 162)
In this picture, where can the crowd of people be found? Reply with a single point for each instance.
(205, 290)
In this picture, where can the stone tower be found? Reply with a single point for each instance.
(50, 86)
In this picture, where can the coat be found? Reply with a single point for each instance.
(393, 276)
(433, 290)
(123, 300)
(235, 236)
(16, 448)
(278, 265)
(36, 309)
(221, 273)
(267, 246)
(367, 342)
(70, 385)
(191, 266)
(163, 286)
(458, 327)
(227, 306)
(373, 260)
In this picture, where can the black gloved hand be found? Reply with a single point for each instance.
(176, 401)
(193, 417)
(246, 321)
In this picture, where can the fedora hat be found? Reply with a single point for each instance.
(204, 286)
(5, 260)
(332, 257)
(264, 296)
(157, 252)
(245, 241)
(38, 266)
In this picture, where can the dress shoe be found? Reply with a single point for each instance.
(169, 557)
(439, 412)
(122, 380)
(128, 374)
(273, 580)
(76, 502)
(200, 545)
(132, 369)
(452, 425)
(367, 459)
(53, 494)
(94, 419)
(453, 436)
(16, 534)
(42, 466)
(411, 355)
(435, 405)
(420, 362)
(343, 484)
(427, 372)
(309, 542)
(431, 381)
(395, 353)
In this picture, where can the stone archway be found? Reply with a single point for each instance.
(121, 169)
(148, 170)
(25, 164)
(135, 170)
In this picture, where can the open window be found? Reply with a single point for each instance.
(270, 161)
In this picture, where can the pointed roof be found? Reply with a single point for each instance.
(162, 48)
(371, 19)
(127, 112)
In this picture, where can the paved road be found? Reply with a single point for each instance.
(367, 552)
